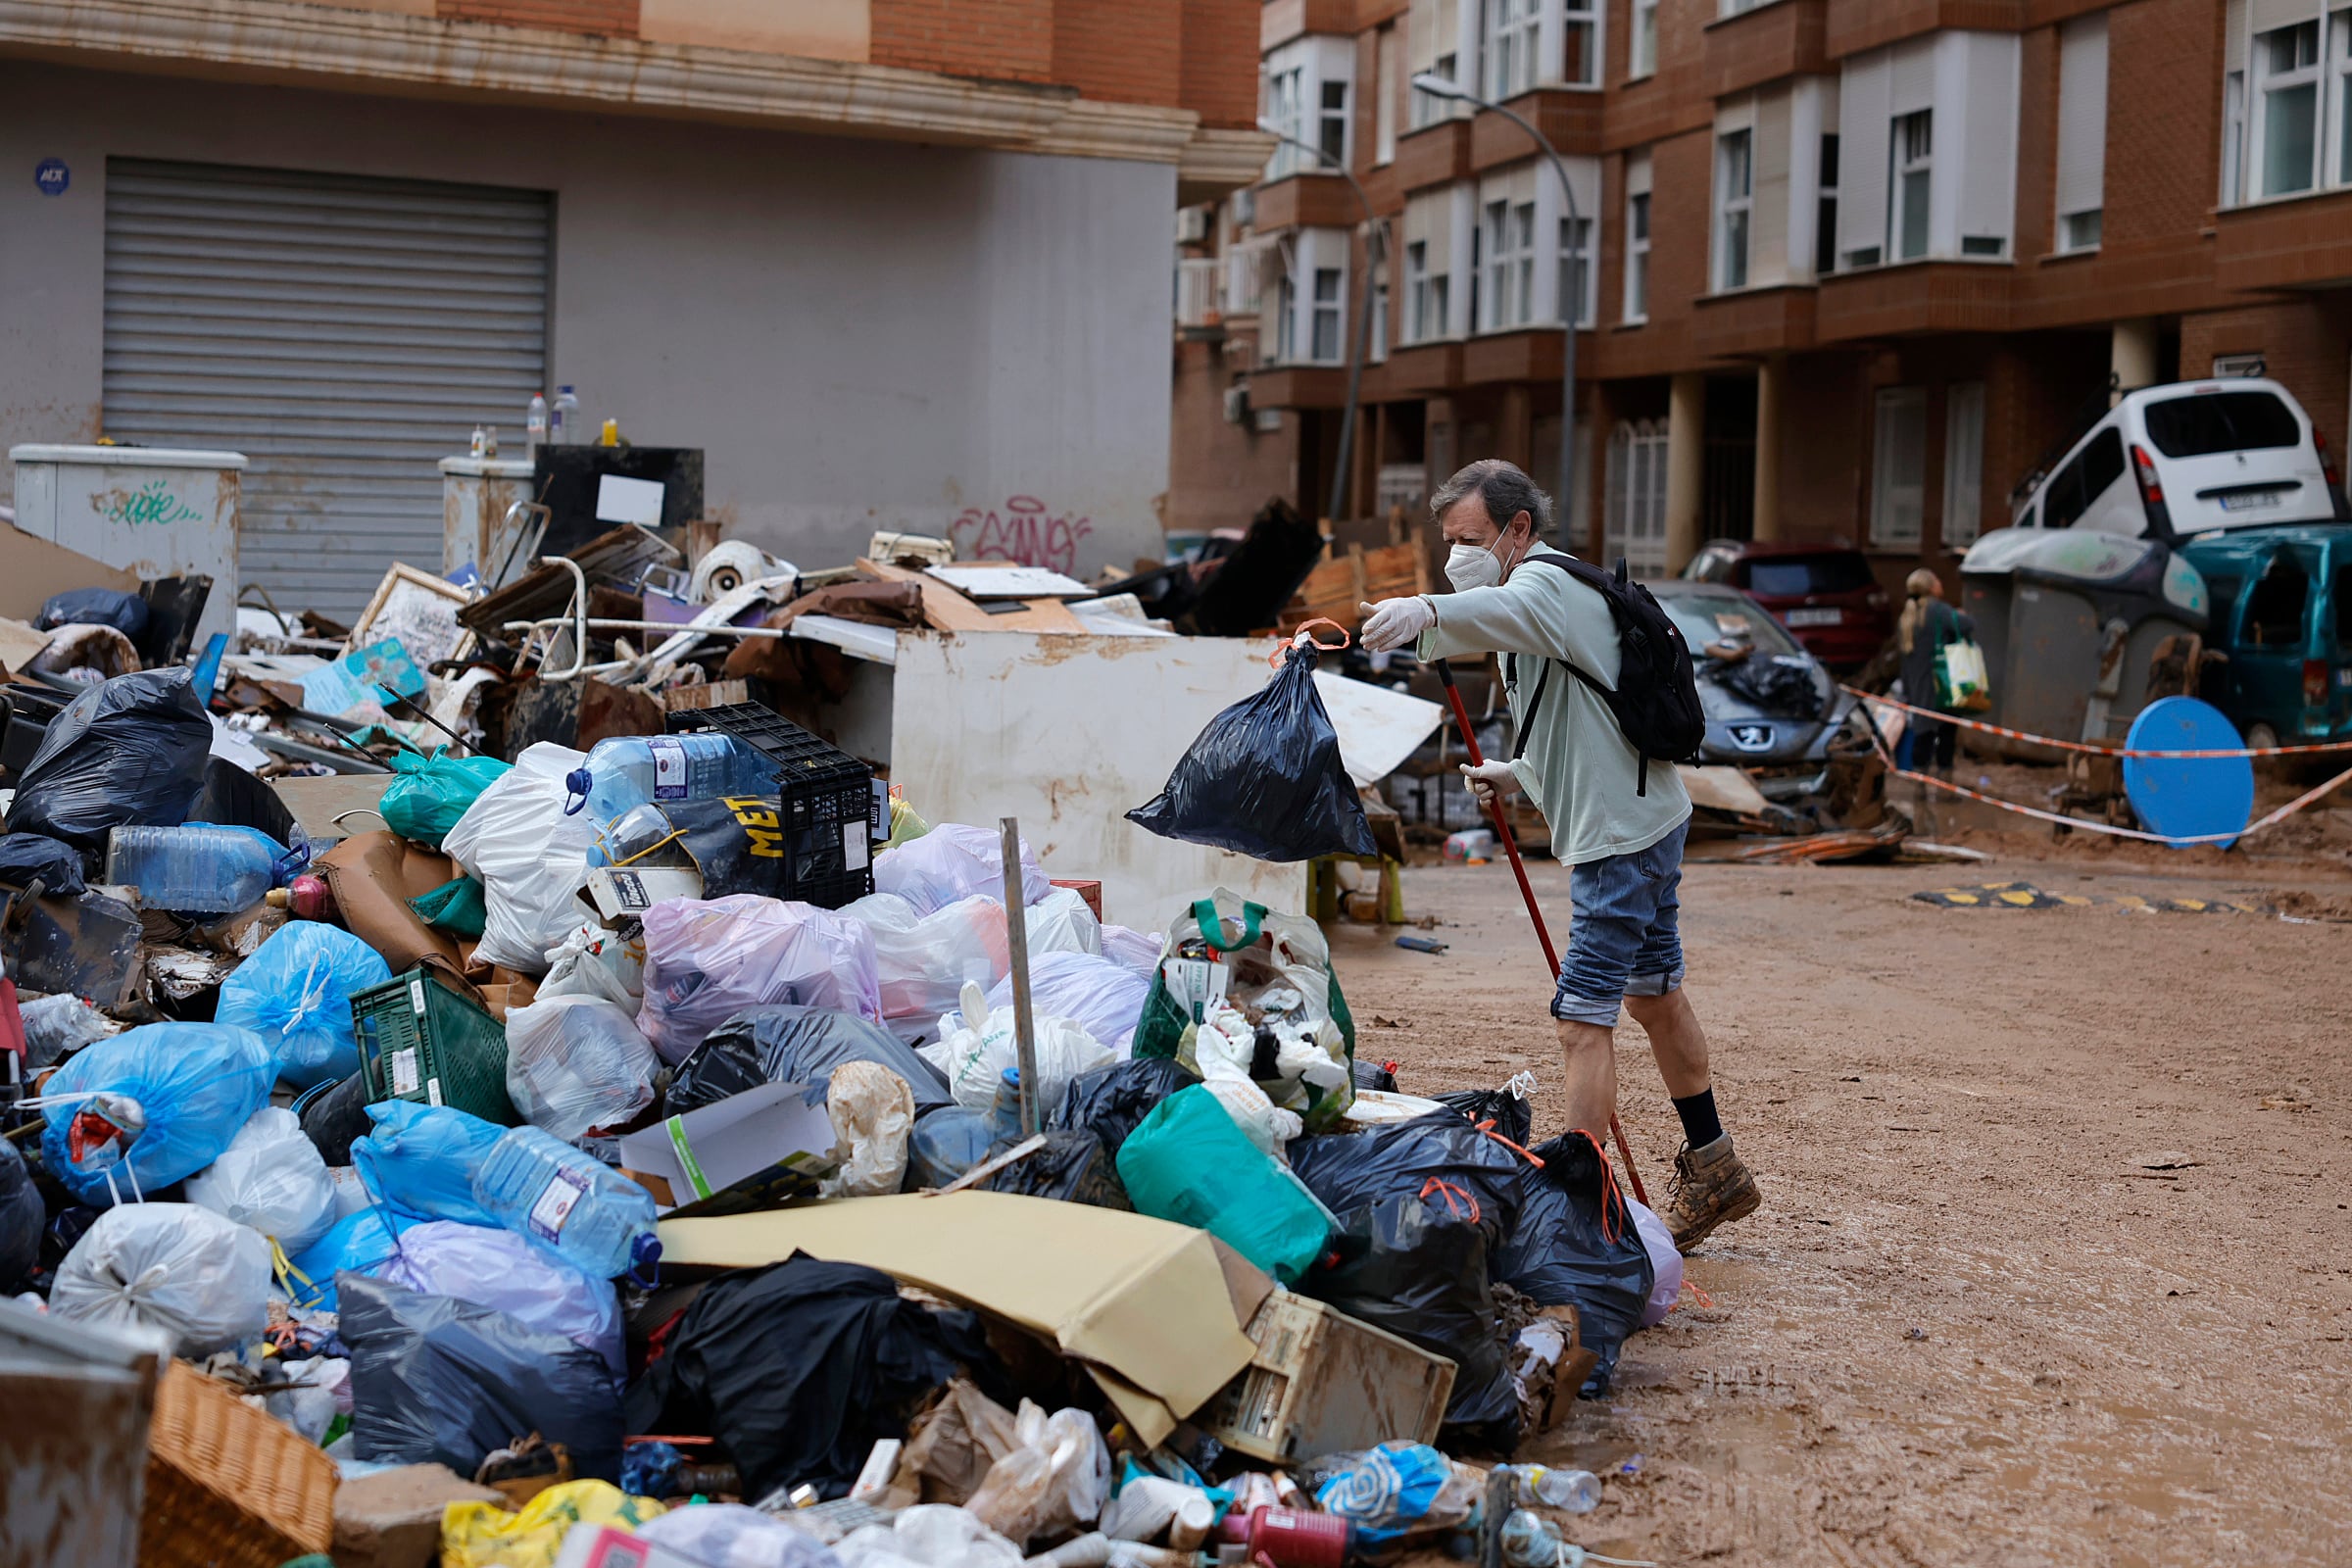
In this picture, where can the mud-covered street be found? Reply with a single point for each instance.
(2055, 1263)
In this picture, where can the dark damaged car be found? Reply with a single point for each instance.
(1770, 704)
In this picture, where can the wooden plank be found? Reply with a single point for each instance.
(949, 610)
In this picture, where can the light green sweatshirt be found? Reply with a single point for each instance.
(1577, 768)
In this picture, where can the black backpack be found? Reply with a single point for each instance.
(1656, 700)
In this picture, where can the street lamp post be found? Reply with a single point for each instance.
(1438, 86)
(1362, 346)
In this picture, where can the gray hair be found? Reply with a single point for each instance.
(1506, 490)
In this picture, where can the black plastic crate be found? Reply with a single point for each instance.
(833, 812)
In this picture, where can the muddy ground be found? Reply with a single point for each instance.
(1973, 1322)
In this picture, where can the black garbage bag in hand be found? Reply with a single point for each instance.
(1576, 1246)
(1113, 1102)
(439, 1380)
(1264, 778)
(798, 1367)
(790, 1045)
(131, 750)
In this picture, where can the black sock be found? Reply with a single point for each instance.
(1699, 1124)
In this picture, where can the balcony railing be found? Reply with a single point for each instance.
(1199, 290)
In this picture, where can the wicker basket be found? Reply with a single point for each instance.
(228, 1486)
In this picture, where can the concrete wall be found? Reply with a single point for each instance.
(859, 334)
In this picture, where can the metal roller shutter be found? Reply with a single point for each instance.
(344, 333)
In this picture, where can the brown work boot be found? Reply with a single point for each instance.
(1711, 1188)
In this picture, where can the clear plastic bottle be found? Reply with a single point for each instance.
(201, 868)
(563, 421)
(1569, 1491)
(544, 1190)
(1004, 1114)
(1530, 1541)
(535, 424)
(633, 771)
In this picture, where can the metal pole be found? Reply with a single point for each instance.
(1362, 346)
(1016, 941)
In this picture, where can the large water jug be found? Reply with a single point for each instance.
(541, 1187)
(201, 868)
(633, 771)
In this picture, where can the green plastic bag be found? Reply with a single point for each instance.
(1187, 1162)
(432, 792)
(456, 907)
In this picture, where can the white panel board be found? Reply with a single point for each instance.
(1068, 734)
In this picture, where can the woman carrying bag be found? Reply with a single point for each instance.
(1934, 639)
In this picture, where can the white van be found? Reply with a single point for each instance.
(2170, 462)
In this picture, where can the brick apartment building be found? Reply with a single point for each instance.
(1840, 268)
(895, 264)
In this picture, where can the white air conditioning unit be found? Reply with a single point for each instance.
(1192, 226)
(1237, 403)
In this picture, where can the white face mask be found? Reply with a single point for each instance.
(1470, 566)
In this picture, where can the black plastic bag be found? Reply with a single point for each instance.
(25, 856)
(334, 1115)
(439, 1380)
(798, 1367)
(790, 1045)
(1784, 691)
(1264, 779)
(1576, 1244)
(1512, 1116)
(21, 1217)
(1439, 1155)
(1418, 1269)
(1111, 1101)
(1073, 1167)
(95, 607)
(131, 750)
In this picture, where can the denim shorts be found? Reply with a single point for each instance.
(1626, 939)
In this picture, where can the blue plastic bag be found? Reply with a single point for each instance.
(361, 1242)
(295, 992)
(421, 1159)
(195, 1084)
(1387, 1491)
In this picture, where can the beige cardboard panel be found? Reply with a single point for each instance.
(31, 569)
(1144, 1297)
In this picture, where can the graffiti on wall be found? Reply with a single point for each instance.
(1024, 530)
(151, 503)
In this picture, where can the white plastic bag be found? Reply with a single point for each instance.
(273, 1178)
(1097, 994)
(707, 959)
(923, 961)
(1658, 1242)
(1062, 922)
(873, 1111)
(499, 1269)
(974, 1056)
(931, 1535)
(954, 862)
(592, 961)
(576, 1063)
(1058, 1479)
(1138, 950)
(532, 859)
(728, 1534)
(199, 1279)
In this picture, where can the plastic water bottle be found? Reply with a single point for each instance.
(564, 422)
(535, 424)
(1569, 1491)
(547, 1192)
(633, 771)
(1005, 1112)
(201, 868)
(1530, 1541)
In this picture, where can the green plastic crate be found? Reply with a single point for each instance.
(422, 1039)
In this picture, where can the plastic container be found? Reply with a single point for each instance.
(563, 419)
(422, 1039)
(201, 868)
(832, 812)
(633, 771)
(544, 1190)
(535, 424)
(1472, 846)
(1530, 1541)
(1288, 1538)
(945, 1145)
(1318, 1380)
(1542, 1487)
(1004, 1115)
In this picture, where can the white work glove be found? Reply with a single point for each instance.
(1491, 780)
(1395, 622)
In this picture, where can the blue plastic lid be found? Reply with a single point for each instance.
(2188, 797)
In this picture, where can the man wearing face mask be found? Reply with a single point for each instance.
(1616, 822)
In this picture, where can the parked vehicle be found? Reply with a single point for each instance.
(1822, 591)
(2281, 603)
(2170, 462)
(1775, 706)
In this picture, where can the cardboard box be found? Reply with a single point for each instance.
(1148, 1306)
(763, 1147)
(1324, 1383)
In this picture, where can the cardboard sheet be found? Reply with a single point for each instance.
(31, 569)
(1377, 728)
(1147, 1304)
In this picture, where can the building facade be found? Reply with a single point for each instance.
(891, 264)
(1841, 268)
